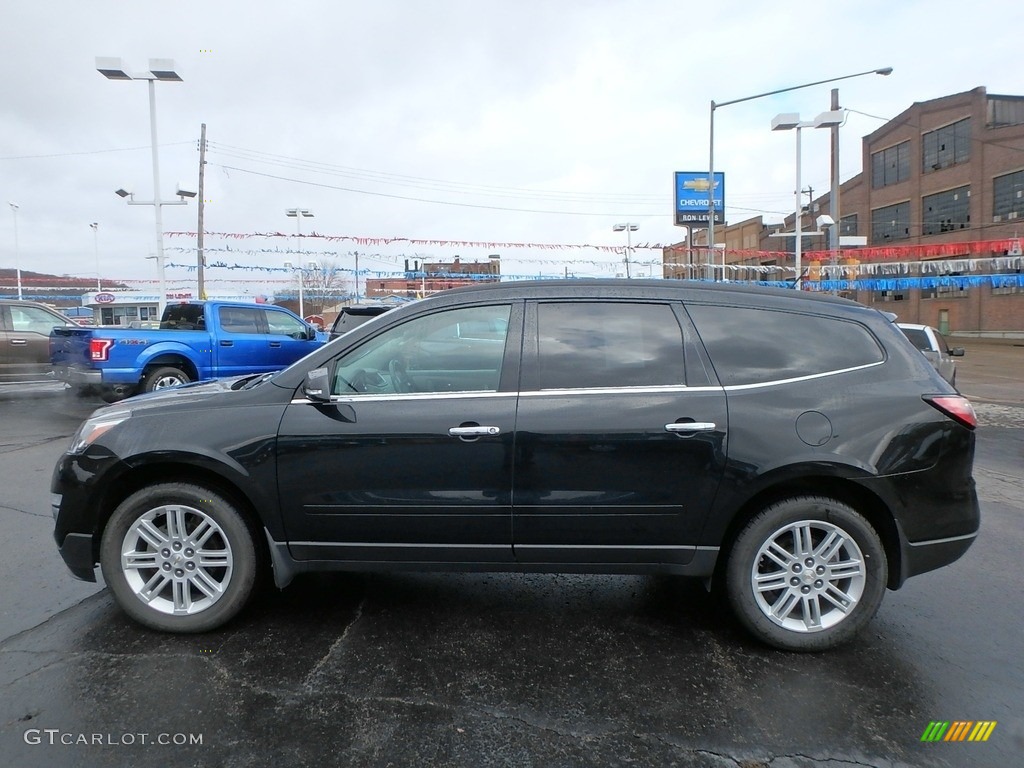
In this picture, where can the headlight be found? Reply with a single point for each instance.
(93, 428)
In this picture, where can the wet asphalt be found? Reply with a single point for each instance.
(501, 670)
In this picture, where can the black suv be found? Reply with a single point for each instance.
(793, 449)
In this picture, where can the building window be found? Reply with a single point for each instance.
(890, 165)
(953, 290)
(946, 211)
(848, 225)
(1008, 196)
(890, 223)
(888, 296)
(1005, 110)
(946, 146)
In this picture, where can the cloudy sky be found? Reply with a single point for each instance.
(457, 120)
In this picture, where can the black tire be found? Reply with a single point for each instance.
(785, 617)
(163, 377)
(191, 595)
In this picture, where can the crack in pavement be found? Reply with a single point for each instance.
(308, 682)
(25, 511)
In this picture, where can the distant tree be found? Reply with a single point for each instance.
(323, 286)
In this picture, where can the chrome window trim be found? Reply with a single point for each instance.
(809, 377)
(666, 389)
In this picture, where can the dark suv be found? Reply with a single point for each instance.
(790, 448)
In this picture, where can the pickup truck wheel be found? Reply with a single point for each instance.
(806, 574)
(161, 378)
(179, 558)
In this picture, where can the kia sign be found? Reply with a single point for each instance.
(691, 198)
(105, 298)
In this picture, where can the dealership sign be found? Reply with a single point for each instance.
(691, 198)
(105, 298)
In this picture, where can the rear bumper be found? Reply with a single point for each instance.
(923, 556)
(78, 376)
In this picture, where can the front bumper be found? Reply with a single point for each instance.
(76, 549)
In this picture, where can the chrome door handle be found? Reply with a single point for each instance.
(19, 342)
(473, 431)
(691, 426)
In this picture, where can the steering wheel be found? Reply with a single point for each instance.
(399, 376)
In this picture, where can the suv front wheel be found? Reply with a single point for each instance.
(806, 574)
(179, 558)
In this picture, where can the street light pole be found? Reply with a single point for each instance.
(17, 261)
(789, 121)
(627, 228)
(298, 214)
(95, 226)
(884, 71)
(163, 70)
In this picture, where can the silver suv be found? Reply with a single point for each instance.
(933, 345)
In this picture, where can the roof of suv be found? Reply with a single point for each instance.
(541, 288)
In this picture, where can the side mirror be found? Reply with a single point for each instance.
(956, 352)
(317, 386)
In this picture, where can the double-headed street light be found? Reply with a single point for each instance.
(787, 122)
(162, 70)
(17, 261)
(711, 161)
(627, 228)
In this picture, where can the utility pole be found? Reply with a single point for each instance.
(200, 258)
(356, 253)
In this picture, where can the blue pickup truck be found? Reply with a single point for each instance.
(195, 341)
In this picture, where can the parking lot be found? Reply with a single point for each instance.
(506, 670)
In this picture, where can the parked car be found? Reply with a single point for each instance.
(355, 315)
(195, 341)
(933, 345)
(791, 449)
(25, 340)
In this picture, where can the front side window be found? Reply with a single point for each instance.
(608, 344)
(749, 345)
(456, 350)
(34, 319)
(280, 324)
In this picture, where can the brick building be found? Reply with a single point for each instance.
(424, 279)
(941, 204)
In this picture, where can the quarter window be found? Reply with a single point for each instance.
(608, 344)
(754, 346)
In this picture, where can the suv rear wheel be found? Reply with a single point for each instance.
(178, 558)
(806, 574)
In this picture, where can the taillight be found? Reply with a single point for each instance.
(99, 349)
(958, 408)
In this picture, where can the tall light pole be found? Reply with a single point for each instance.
(627, 228)
(113, 68)
(299, 271)
(17, 261)
(711, 145)
(787, 122)
(95, 227)
(298, 214)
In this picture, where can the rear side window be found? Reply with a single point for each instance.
(750, 345)
(608, 344)
(918, 338)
